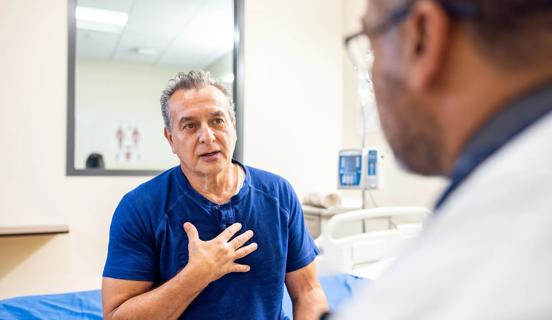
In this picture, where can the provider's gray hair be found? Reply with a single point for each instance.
(193, 80)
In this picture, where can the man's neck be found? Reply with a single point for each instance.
(217, 188)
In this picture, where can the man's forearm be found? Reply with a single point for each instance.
(310, 305)
(165, 302)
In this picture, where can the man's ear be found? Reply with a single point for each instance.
(426, 40)
(169, 137)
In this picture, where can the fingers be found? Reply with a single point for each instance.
(191, 231)
(229, 232)
(242, 252)
(236, 267)
(240, 240)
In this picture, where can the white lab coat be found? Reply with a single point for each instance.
(487, 254)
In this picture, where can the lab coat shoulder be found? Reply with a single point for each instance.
(518, 173)
(486, 253)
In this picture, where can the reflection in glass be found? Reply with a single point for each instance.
(126, 51)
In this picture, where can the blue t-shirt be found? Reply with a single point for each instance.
(147, 241)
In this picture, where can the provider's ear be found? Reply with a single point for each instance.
(169, 137)
(425, 41)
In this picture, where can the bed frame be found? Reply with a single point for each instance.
(368, 254)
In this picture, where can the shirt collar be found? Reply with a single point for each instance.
(497, 132)
(191, 193)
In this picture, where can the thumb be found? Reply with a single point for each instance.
(191, 231)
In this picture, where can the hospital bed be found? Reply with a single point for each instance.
(367, 254)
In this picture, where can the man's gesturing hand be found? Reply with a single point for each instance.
(216, 257)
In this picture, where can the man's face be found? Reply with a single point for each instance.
(202, 134)
(409, 127)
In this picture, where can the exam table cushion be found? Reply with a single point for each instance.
(88, 304)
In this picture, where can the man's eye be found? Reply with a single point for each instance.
(218, 121)
(188, 126)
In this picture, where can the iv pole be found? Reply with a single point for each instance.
(363, 145)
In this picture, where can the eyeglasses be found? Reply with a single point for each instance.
(358, 44)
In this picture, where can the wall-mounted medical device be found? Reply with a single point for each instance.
(359, 169)
(372, 169)
(350, 172)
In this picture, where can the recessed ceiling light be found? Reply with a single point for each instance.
(100, 20)
(145, 51)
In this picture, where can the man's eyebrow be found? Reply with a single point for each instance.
(217, 114)
(186, 119)
(189, 118)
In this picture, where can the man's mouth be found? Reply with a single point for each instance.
(209, 155)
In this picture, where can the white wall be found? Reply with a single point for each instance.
(222, 66)
(293, 90)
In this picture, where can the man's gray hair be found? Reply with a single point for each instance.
(193, 80)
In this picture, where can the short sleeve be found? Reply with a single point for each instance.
(301, 248)
(131, 252)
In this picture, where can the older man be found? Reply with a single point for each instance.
(464, 90)
(210, 238)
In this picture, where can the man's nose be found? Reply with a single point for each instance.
(206, 134)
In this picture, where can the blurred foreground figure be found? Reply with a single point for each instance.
(464, 90)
